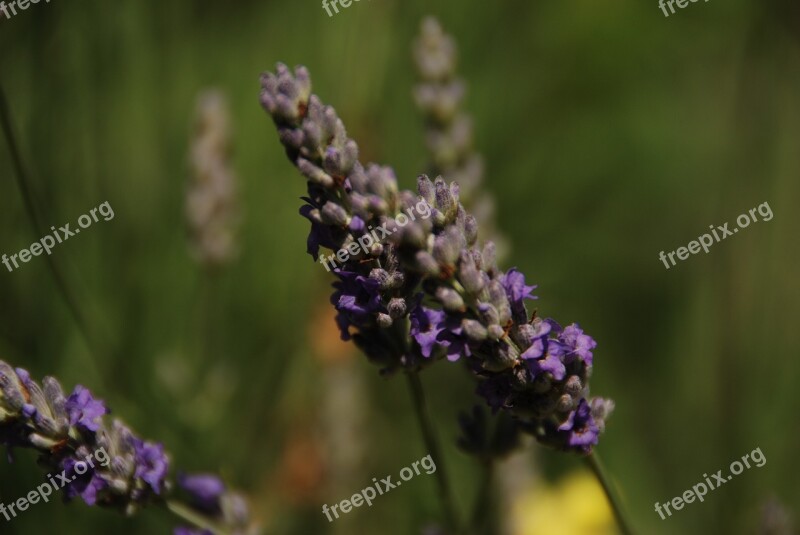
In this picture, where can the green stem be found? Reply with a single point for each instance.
(27, 197)
(483, 508)
(185, 513)
(613, 499)
(432, 443)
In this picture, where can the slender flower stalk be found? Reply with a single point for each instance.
(435, 450)
(131, 473)
(614, 501)
(24, 184)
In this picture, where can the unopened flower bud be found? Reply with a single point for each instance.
(474, 330)
(565, 403)
(447, 247)
(470, 277)
(314, 174)
(471, 230)
(333, 214)
(397, 307)
(445, 202)
(488, 313)
(450, 299)
(384, 320)
(426, 264)
(573, 386)
(495, 331)
(381, 276)
(425, 189)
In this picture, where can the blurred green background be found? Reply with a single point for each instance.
(610, 133)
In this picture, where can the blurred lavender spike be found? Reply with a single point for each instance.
(212, 209)
(104, 464)
(449, 138)
(775, 519)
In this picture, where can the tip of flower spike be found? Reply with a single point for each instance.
(204, 489)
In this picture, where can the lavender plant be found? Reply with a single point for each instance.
(429, 290)
(66, 430)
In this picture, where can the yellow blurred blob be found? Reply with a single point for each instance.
(576, 506)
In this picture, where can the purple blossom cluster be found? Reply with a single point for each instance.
(431, 291)
(66, 430)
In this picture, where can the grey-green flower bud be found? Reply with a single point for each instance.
(426, 264)
(334, 214)
(384, 320)
(447, 246)
(495, 331)
(565, 403)
(471, 230)
(449, 298)
(573, 386)
(397, 307)
(475, 330)
(468, 274)
(314, 173)
(425, 189)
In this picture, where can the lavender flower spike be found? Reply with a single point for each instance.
(127, 472)
(439, 95)
(431, 290)
(212, 209)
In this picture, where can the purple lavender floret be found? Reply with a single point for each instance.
(578, 344)
(151, 464)
(517, 292)
(496, 390)
(580, 430)
(551, 363)
(87, 486)
(474, 312)
(205, 490)
(84, 411)
(357, 300)
(426, 324)
(453, 338)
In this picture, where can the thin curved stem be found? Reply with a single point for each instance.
(188, 515)
(27, 197)
(613, 499)
(432, 443)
